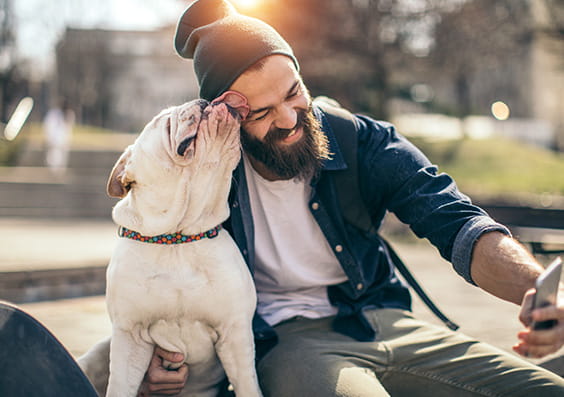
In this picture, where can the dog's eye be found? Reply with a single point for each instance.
(192, 119)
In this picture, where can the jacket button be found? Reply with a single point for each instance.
(235, 204)
(359, 286)
(245, 252)
(315, 206)
(339, 248)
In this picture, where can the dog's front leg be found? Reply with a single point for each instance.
(235, 349)
(129, 361)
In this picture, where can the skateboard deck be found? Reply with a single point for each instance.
(33, 362)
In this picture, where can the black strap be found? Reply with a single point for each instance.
(406, 274)
(346, 181)
(354, 209)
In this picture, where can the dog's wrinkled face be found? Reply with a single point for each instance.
(182, 127)
(177, 174)
(194, 131)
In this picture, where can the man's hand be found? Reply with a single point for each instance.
(162, 381)
(539, 343)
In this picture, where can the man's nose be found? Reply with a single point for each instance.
(287, 117)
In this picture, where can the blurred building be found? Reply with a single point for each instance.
(510, 51)
(121, 79)
(485, 55)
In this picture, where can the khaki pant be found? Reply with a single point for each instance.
(409, 358)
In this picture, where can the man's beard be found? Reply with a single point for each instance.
(302, 159)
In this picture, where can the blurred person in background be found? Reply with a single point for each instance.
(333, 318)
(58, 125)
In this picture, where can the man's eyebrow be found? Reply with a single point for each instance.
(292, 88)
(260, 110)
(289, 93)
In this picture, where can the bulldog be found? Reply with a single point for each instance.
(177, 279)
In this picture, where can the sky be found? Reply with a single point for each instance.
(40, 23)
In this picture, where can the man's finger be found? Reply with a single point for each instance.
(165, 382)
(539, 351)
(526, 307)
(161, 376)
(549, 336)
(173, 357)
(546, 313)
(167, 389)
(539, 343)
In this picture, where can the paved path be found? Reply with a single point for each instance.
(28, 244)
(33, 246)
(80, 322)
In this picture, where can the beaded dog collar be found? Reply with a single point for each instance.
(174, 238)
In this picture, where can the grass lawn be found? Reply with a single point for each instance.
(84, 137)
(489, 168)
(498, 166)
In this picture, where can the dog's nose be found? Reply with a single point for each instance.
(203, 104)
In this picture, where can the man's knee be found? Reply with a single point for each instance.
(95, 363)
(294, 375)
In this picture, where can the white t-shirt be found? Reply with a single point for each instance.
(294, 261)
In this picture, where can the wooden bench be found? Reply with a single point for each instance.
(543, 241)
(540, 228)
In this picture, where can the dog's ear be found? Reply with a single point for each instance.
(119, 182)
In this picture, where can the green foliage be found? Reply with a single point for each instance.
(9, 151)
(497, 166)
(84, 137)
(484, 168)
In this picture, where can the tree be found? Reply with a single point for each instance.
(481, 35)
(12, 83)
(84, 67)
(349, 48)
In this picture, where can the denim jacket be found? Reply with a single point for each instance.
(393, 176)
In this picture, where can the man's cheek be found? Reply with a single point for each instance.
(254, 132)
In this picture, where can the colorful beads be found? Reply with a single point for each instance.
(174, 238)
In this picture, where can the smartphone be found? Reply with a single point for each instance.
(546, 291)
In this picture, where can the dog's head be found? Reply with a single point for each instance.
(179, 169)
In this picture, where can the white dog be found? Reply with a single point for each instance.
(195, 297)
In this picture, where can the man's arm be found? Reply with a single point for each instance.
(504, 268)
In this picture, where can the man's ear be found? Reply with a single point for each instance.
(120, 182)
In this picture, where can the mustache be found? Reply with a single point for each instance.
(276, 133)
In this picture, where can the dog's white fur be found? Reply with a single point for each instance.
(195, 298)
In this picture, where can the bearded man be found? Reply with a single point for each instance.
(333, 319)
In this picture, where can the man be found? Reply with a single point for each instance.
(332, 317)
(58, 125)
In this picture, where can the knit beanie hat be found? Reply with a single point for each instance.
(224, 43)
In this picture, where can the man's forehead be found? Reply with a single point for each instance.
(267, 83)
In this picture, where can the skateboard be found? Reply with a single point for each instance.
(33, 362)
